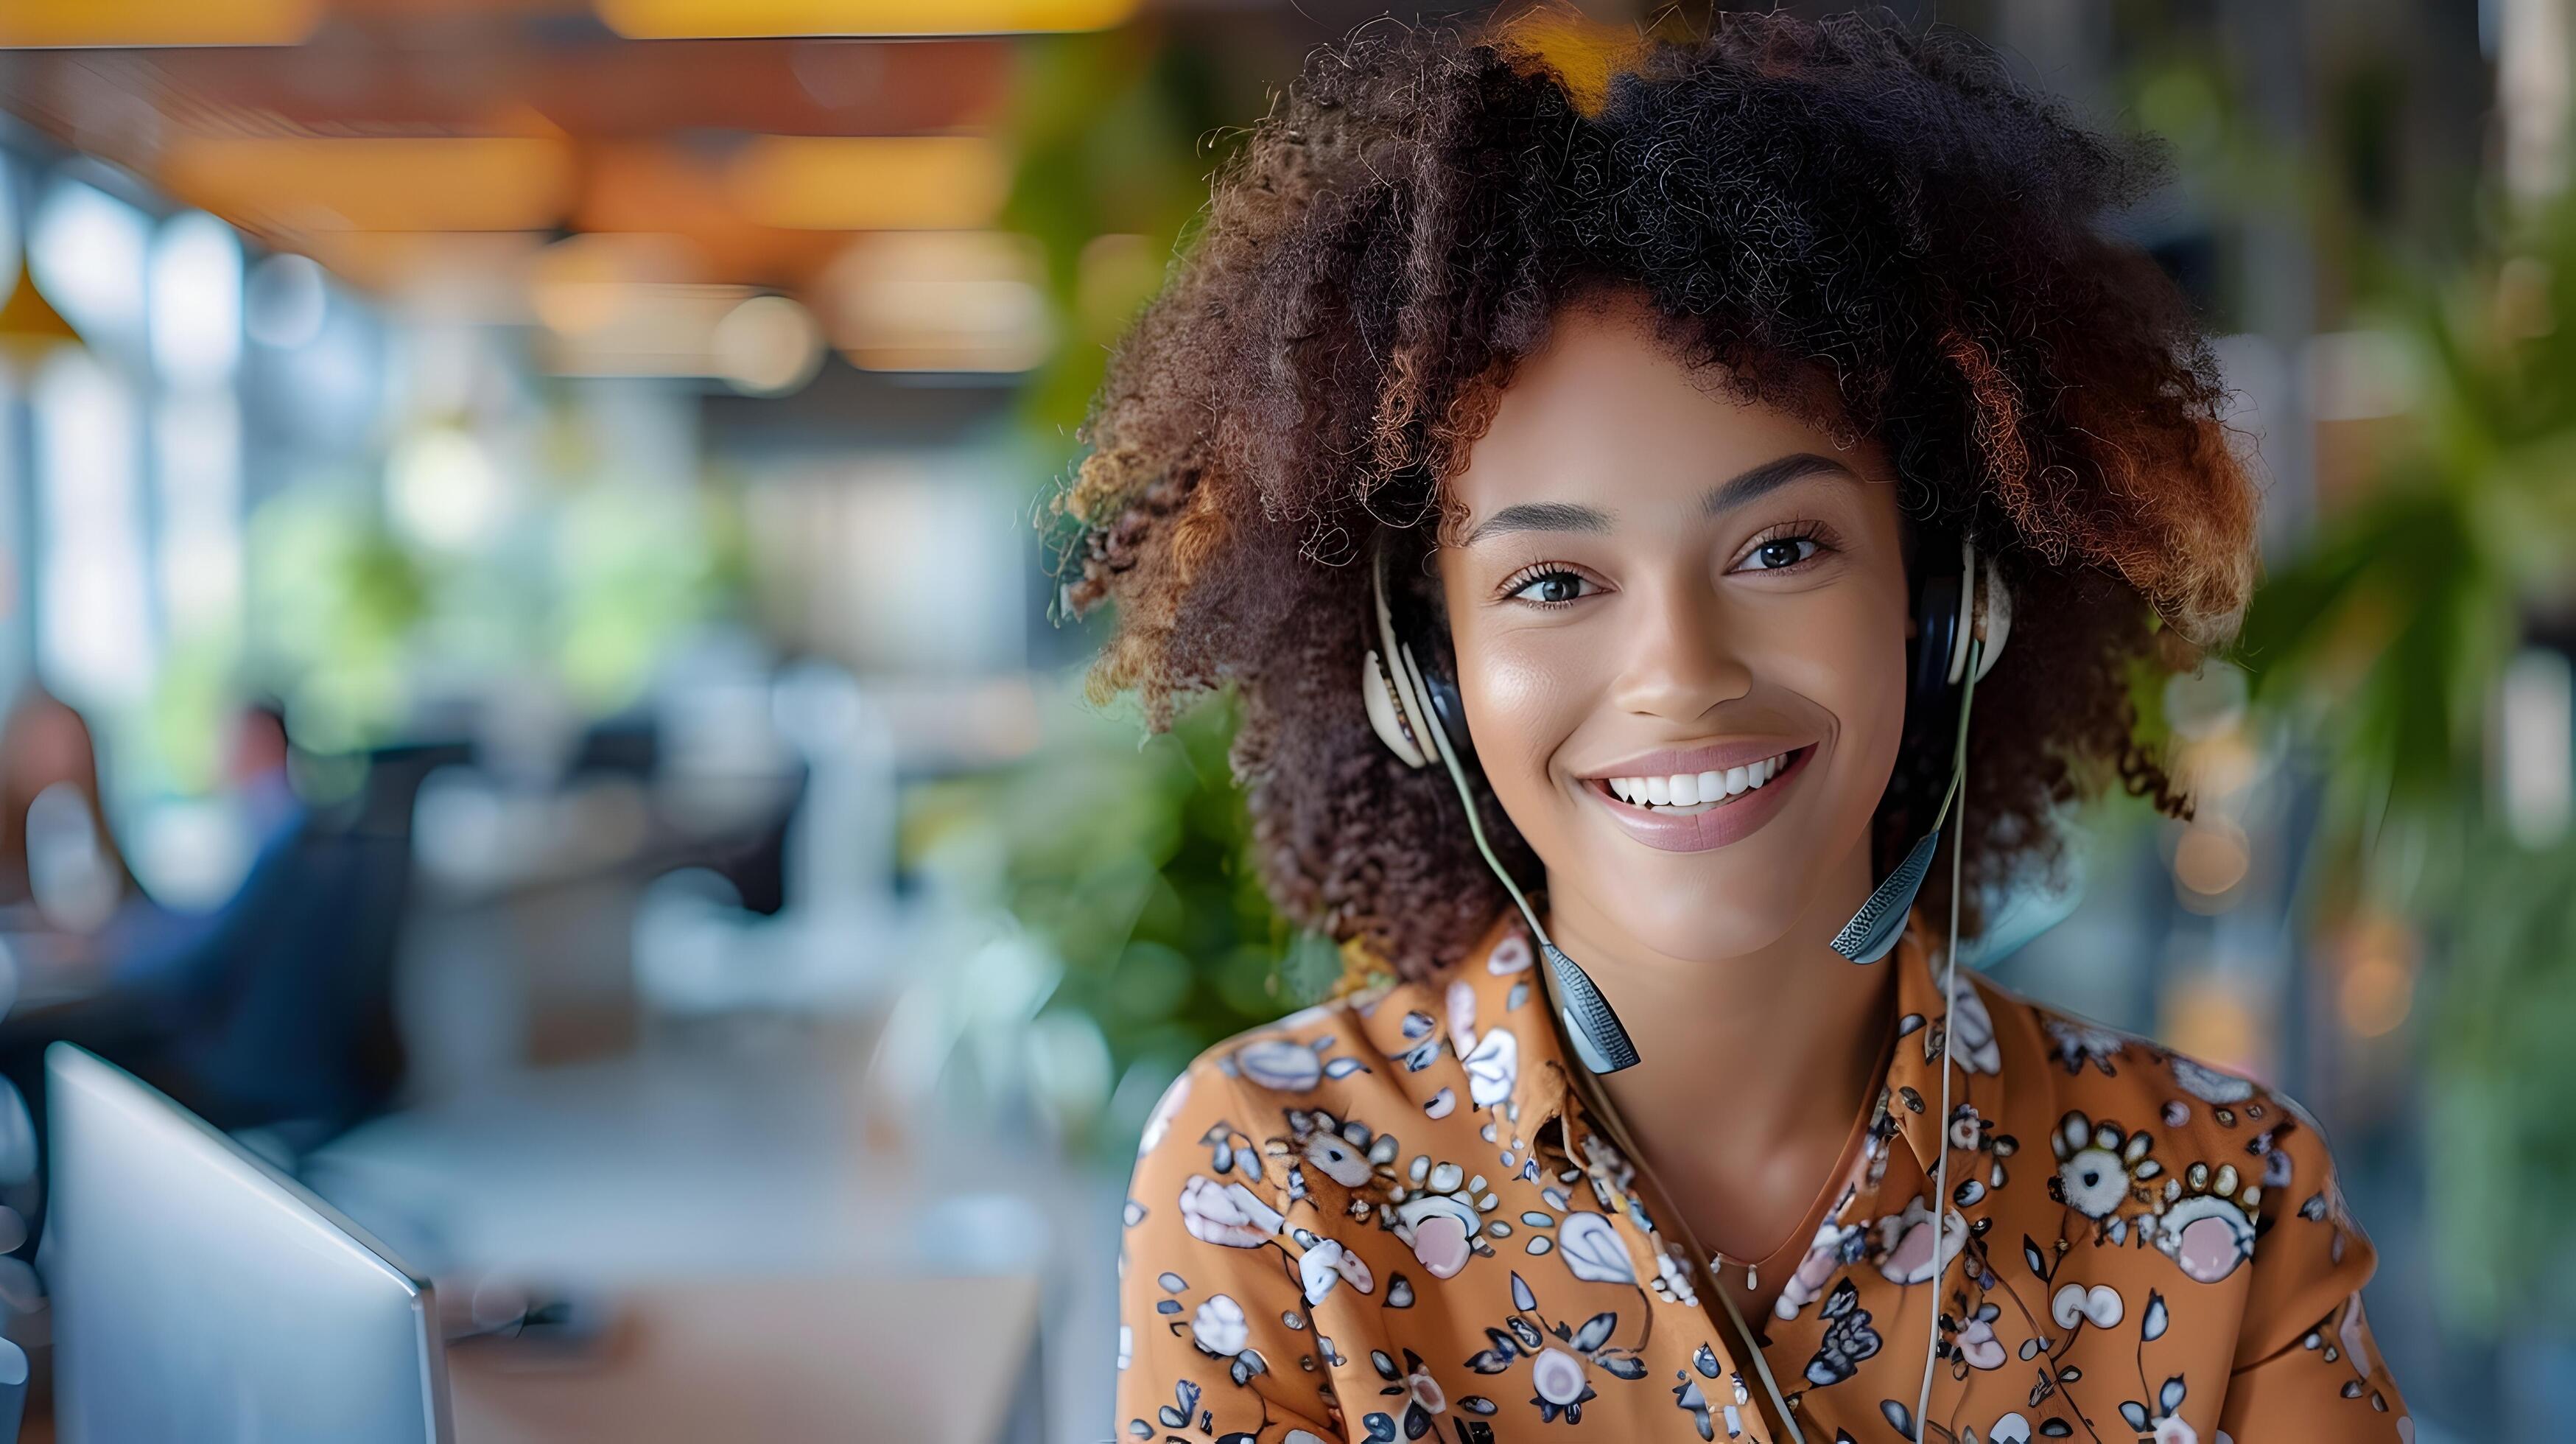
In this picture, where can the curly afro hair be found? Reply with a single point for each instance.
(1874, 227)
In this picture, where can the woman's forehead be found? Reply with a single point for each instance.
(1601, 514)
(1606, 416)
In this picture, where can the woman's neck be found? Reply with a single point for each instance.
(1751, 1069)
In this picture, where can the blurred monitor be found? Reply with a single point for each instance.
(200, 1295)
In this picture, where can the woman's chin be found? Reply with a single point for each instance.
(1691, 925)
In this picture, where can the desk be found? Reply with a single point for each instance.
(770, 1361)
(788, 1359)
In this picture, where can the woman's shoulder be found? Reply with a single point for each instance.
(1323, 1089)
(2205, 1164)
(2101, 1080)
(1248, 1170)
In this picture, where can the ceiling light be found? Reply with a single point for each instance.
(715, 19)
(31, 330)
(466, 276)
(650, 328)
(446, 183)
(767, 346)
(285, 301)
(940, 301)
(37, 23)
(870, 183)
(577, 284)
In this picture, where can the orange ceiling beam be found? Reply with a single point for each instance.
(608, 90)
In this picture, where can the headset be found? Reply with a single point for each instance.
(1959, 633)
(1961, 620)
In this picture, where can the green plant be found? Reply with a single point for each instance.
(1129, 862)
(2384, 642)
(1116, 132)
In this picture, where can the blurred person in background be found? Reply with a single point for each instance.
(57, 853)
(60, 855)
(262, 1011)
(271, 1009)
(256, 768)
(153, 948)
(1634, 448)
(103, 964)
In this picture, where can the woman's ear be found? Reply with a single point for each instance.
(1909, 550)
(1906, 548)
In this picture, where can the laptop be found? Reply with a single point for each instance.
(200, 1295)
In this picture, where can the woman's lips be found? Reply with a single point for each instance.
(1730, 821)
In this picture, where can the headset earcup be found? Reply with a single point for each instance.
(1994, 618)
(1449, 714)
(1395, 707)
(1384, 713)
(1966, 631)
(1936, 635)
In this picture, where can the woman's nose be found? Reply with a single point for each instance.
(1679, 660)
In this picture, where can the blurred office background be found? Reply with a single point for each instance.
(531, 694)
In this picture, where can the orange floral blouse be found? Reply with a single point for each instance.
(1392, 1216)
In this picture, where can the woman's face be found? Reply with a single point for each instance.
(1680, 627)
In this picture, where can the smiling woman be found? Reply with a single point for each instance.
(1875, 235)
(1653, 582)
(1647, 443)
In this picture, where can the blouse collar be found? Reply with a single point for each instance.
(1496, 1014)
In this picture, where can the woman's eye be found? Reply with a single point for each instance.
(1785, 552)
(1550, 588)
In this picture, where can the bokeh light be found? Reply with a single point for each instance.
(285, 302)
(768, 346)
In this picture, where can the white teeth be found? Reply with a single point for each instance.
(1697, 791)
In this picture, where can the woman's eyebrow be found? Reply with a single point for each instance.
(1769, 477)
(1727, 495)
(1541, 516)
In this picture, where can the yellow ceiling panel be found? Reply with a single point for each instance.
(706, 19)
(41, 23)
(479, 183)
(869, 183)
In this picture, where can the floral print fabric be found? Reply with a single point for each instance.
(1390, 1217)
